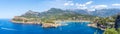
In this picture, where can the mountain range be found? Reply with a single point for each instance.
(100, 12)
(59, 13)
(55, 13)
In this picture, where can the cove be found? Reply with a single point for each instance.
(7, 27)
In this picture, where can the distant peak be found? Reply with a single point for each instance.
(53, 8)
(30, 11)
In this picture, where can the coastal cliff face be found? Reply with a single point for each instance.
(18, 19)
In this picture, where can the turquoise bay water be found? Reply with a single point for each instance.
(7, 27)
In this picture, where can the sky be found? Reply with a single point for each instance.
(11, 8)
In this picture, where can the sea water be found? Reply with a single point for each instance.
(8, 27)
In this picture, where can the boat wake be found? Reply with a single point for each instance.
(8, 29)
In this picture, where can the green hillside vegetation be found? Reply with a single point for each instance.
(56, 14)
(111, 31)
(109, 23)
(106, 22)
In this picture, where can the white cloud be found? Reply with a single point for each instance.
(66, 4)
(72, 4)
(78, 5)
(83, 6)
(87, 3)
(115, 4)
(69, 3)
(99, 6)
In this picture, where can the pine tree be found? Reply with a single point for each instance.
(117, 22)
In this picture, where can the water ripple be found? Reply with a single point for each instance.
(3, 28)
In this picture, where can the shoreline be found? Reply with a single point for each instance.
(48, 25)
(60, 21)
(94, 26)
(57, 21)
(24, 22)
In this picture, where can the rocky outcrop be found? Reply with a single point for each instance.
(49, 25)
(18, 19)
